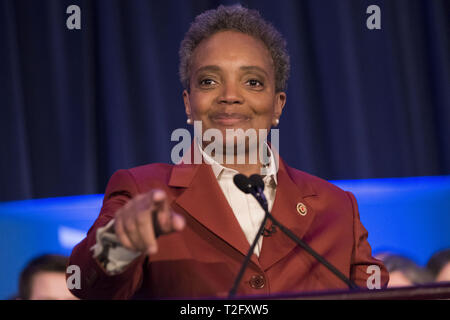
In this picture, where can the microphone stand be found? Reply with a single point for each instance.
(256, 188)
(263, 202)
(257, 195)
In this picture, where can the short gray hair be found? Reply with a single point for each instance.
(240, 19)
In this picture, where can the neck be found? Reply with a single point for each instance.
(246, 169)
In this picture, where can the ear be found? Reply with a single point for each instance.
(187, 105)
(280, 101)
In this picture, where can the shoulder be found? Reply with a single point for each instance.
(143, 177)
(321, 190)
(153, 172)
(317, 184)
(333, 206)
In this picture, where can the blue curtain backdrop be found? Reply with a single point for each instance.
(76, 105)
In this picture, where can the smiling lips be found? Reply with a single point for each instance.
(229, 119)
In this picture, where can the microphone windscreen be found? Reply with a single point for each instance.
(257, 181)
(242, 182)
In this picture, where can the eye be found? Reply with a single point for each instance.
(255, 83)
(207, 82)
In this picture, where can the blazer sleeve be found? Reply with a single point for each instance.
(363, 266)
(95, 282)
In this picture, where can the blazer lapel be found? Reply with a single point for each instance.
(288, 196)
(203, 199)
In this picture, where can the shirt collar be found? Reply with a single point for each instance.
(219, 170)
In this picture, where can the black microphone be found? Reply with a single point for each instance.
(257, 181)
(242, 182)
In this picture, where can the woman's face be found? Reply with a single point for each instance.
(232, 84)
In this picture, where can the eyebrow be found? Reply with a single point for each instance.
(215, 68)
(254, 68)
(208, 68)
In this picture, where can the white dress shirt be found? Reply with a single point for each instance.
(246, 209)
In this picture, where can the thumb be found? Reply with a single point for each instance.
(167, 221)
(178, 222)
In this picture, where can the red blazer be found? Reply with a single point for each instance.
(204, 259)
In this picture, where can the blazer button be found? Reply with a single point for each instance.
(257, 281)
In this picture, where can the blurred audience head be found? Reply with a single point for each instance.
(403, 272)
(44, 278)
(439, 266)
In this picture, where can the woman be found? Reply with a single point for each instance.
(184, 230)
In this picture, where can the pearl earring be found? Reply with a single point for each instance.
(277, 122)
(189, 121)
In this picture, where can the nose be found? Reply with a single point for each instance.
(230, 94)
